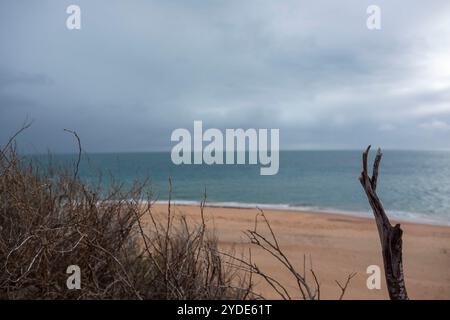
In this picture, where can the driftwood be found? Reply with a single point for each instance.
(390, 236)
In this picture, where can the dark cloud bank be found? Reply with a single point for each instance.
(139, 69)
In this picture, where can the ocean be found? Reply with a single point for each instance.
(413, 185)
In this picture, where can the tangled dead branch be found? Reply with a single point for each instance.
(270, 244)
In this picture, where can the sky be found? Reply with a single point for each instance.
(137, 70)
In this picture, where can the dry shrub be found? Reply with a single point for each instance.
(50, 219)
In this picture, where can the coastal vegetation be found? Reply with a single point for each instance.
(50, 220)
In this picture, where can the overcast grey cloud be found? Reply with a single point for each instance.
(139, 69)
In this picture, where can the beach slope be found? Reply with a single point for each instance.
(338, 245)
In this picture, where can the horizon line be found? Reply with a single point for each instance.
(281, 150)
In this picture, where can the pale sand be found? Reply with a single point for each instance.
(338, 245)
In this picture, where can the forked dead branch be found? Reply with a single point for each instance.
(390, 236)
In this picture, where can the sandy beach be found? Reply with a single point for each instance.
(338, 245)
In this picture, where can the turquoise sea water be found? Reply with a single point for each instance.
(413, 185)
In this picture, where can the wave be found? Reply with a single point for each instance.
(398, 215)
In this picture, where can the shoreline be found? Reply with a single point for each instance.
(393, 215)
(337, 245)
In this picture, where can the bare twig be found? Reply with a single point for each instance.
(344, 287)
(24, 127)
(77, 165)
